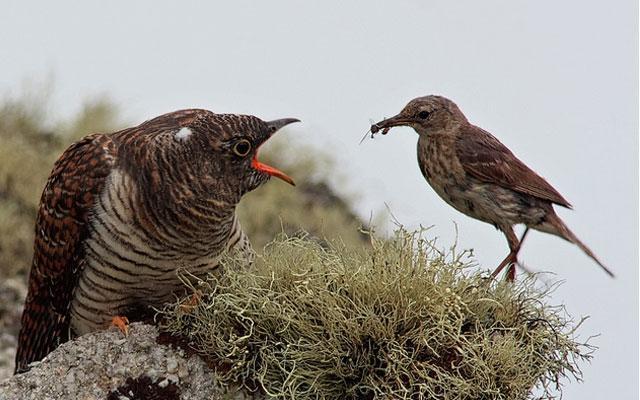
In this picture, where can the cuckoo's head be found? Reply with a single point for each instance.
(199, 154)
(227, 145)
(428, 114)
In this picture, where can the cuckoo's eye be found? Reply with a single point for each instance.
(423, 114)
(242, 147)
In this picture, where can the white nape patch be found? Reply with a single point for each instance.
(183, 134)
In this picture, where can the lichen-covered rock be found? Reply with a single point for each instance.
(400, 319)
(107, 365)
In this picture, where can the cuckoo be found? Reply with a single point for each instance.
(122, 212)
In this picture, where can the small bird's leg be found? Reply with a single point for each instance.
(512, 258)
(511, 272)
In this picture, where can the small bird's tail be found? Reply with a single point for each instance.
(556, 226)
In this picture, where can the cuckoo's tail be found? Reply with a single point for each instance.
(41, 332)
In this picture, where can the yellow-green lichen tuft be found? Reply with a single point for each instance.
(399, 319)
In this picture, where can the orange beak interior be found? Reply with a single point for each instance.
(267, 169)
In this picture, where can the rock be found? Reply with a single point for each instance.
(12, 294)
(101, 365)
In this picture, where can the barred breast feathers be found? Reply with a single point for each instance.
(133, 254)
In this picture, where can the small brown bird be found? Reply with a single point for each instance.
(477, 175)
(122, 212)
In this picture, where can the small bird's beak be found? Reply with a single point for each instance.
(398, 120)
(274, 126)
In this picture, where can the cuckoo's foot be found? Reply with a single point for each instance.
(192, 302)
(122, 323)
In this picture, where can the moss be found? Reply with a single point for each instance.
(398, 320)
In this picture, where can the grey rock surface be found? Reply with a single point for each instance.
(12, 294)
(97, 366)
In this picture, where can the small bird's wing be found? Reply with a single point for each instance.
(485, 158)
(78, 177)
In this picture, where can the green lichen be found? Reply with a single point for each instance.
(399, 319)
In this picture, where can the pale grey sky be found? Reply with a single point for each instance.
(557, 82)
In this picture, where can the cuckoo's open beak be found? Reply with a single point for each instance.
(274, 126)
(385, 125)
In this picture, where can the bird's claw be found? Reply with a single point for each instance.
(122, 323)
(192, 302)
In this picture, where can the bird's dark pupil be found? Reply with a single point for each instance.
(242, 148)
(423, 115)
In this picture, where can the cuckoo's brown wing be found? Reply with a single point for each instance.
(485, 158)
(78, 177)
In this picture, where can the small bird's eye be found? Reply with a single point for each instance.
(423, 115)
(242, 147)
